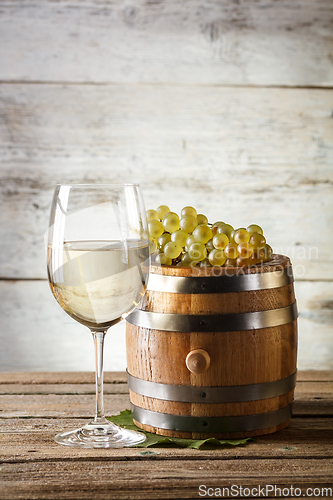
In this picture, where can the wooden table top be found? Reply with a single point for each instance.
(36, 406)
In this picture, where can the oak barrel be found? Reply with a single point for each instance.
(212, 352)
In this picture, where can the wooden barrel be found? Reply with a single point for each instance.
(211, 352)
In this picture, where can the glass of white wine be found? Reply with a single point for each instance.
(98, 267)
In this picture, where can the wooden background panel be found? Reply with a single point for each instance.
(216, 42)
(166, 94)
(241, 154)
(315, 324)
(36, 334)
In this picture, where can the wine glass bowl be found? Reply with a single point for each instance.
(98, 267)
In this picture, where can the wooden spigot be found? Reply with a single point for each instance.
(197, 361)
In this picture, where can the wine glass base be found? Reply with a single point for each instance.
(104, 435)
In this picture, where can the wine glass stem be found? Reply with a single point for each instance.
(99, 346)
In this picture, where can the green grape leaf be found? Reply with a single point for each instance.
(124, 419)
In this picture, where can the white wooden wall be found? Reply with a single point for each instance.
(226, 105)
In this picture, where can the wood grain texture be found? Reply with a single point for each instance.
(218, 42)
(59, 405)
(33, 466)
(213, 410)
(311, 399)
(167, 479)
(159, 356)
(270, 147)
(61, 389)
(236, 358)
(36, 436)
(305, 378)
(164, 93)
(82, 405)
(119, 387)
(46, 378)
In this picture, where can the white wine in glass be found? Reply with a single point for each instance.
(98, 268)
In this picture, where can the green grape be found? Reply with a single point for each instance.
(220, 241)
(268, 252)
(179, 237)
(172, 250)
(258, 241)
(203, 233)
(171, 222)
(245, 250)
(225, 229)
(163, 240)
(231, 251)
(235, 231)
(241, 236)
(218, 223)
(243, 262)
(186, 261)
(210, 245)
(232, 234)
(258, 256)
(162, 210)
(188, 211)
(254, 228)
(152, 246)
(217, 257)
(202, 219)
(205, 245)
(151, 215)
(161, 258)
(215, 226)
(155, 228)
(197, 251)
(231, 263)
(188, 223)
(189, 242)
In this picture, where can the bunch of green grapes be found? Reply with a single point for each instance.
(190, 240)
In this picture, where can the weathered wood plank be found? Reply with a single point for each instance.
(36, 334)
(82, 405)
(305, 437)
(63, 389)
(218, 42)
(314, 388)
(242, 154)
(55, 378)
(175, 479)
(308, 388)
(34, 466)
(312, 375)
(60, 405)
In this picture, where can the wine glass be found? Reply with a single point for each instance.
(98, 267)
